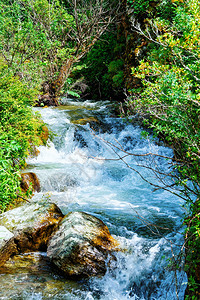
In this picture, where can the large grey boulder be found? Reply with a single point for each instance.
(32, 224)
(81, 245)
(7, 245)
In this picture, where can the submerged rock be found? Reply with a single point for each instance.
(81, 245)
(29, 180)
(32, 224)
(84, 121)
(7, 245)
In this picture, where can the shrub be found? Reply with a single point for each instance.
(20, 131)
(169, 97)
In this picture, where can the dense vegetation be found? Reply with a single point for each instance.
(149, 49)
(51, 37)
(168, 99)
(20, 131)
(40, 41)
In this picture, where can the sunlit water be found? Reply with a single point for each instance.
(74, 174)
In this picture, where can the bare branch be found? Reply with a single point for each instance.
(168, 180)
(137, 27)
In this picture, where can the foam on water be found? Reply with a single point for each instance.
(73, 169)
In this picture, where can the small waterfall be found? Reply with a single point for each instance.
(76, 176)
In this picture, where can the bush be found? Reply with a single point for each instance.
(169, 97)
(170, 94)
(20, 131)
(101, 64)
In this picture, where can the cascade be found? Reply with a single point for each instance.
(74, 174)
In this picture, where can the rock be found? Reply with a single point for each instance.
(7, 245)
(29, 179)
(84, 121)
(81, 245)
(47, 99)
(31, 262)
(30, 276)
(32, 224)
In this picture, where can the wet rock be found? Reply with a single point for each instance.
(28, 263)
(30, 276)
(81, 245)
(32, 224)
(29, 180)
(7, 245)
(84, 121)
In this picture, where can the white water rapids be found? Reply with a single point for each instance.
(73, 173)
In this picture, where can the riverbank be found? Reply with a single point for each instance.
(21, 131)
(74, 173)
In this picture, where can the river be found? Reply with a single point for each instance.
(74, 174)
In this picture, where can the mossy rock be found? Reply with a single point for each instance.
(84, 121)
(32, 224)
(81, 246)
(29, 180)
(7, 245)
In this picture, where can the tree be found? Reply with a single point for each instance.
(170, 77)
(56, 34)
(168, 100)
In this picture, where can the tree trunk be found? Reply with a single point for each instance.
(51, 90)
(65, 70)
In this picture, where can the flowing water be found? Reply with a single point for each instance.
(74, 174)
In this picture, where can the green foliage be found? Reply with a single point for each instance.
(9, 174)
(33, 38)
(166, 9)
(118, 79)
(192, 265)
(42, 40)
(170, 98)
(73, 94)
(20, 131)
(139, 6)
(170, 76)
(162, 8)
(102, 67)
(115, 66)
(115, 71)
